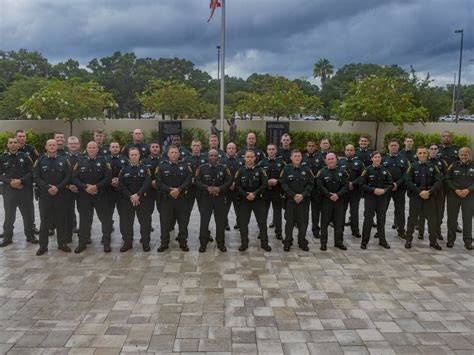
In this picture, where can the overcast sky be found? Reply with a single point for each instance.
(281, 37)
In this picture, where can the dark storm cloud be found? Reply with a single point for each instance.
(275, 36)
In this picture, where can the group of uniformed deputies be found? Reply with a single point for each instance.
(138, 178)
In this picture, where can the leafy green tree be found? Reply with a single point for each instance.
(248, 103)
(171, 98)
(381, 99)
(17, 93)
(68, 70)
(323, 69)
(21, 62)
(68, 100)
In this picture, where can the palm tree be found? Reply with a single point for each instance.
(323, 68)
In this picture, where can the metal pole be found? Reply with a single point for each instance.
(454, 93)
(461, 31)
(222, 67)
(218, 79)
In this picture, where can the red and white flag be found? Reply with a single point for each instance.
(213, 5)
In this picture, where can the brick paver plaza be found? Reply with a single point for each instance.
(375, 301)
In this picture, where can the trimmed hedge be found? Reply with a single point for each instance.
(299, 138)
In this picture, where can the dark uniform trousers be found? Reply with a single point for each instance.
(332, 212)
(53, 215)
(86, 205)
(439, 197)
(23, 200)
(273, 197)
(416, 205)
(113, 200)
(352, 201)
(375, 205)
(245, 210)
(299, 213)
(127, 218)
(398, 198)
(466, 205)
(231, 198)
(173, 210)
(71, 222)
(210, 204)
(316, 202)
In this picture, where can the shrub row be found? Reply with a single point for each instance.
(299, 138)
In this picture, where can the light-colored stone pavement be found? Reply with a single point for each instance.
(355, 302)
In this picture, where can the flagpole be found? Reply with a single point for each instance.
(222, 65)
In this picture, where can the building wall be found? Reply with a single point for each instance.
(466, 128)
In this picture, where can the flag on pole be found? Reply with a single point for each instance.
(213, 5)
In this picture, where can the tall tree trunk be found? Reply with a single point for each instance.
(377, 124)
(70, 127)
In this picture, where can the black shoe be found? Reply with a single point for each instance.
(32, 240)
(348, 223)
(272, 225)
(305, 248)
(227, 228)
(202, 249)
(162, 248)
(435, 246)
(266, 247)
(236, 226)
(51, 232)
(342, 247)
(440, 237)
(89, 241)
(152, 229)
(408, 245)
(317, 236)
(210, 239)
(36, 231)
(107, 248)
(385, 245)
(278, 236)
(243, 247)
(374, 225)
(363, 246)
(258, 236)
(222, 248)
(376, 235)
(286, 248)
(417, 227)
(394, 226)
(76, 230)
(449, 244)
(458, 229)
(80, 249)
(468, 246)
(421, 236)
(41, 251)
(323, 248)
(184, 247)
(357, 235)
(146, 246)
(125, 247)
(65, 248)
(5, 242)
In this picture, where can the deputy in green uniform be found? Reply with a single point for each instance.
(173, 178)
(460, 180)
(333, 182)
(52, 173)
(273, 166)
(297, 181)
(376, 184)
(213, 180)
(423, 179)
(16, 173)
(250, 182)
(397, 165)
(134, 186)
